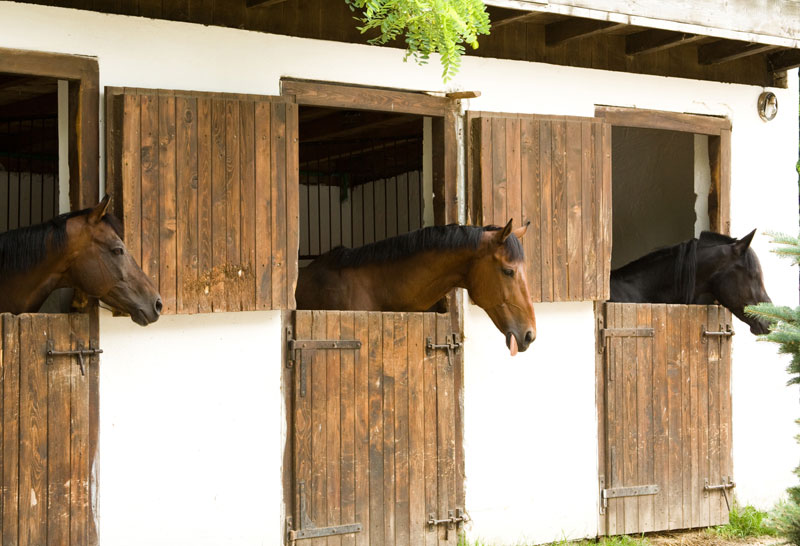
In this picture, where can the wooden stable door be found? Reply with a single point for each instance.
(664, 404)
(374, 429)
(45, 457)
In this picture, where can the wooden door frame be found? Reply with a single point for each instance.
(718, 130)
(446, 118)
(83, 76)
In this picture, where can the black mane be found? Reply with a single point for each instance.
(21, 249)
(450, 237)
(684, 259)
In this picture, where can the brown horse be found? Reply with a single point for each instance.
(82, 250)
(412, 272)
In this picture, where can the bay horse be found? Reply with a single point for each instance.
(412, 272)
(713, 268)
(83, 250)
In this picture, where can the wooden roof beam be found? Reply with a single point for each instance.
(263, 3)
(723, 51)
(516, 17)
(570, 29)
(650, 41)
(780, 61)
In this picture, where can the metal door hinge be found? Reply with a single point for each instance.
(80, 352)
(606, 333)
(296, 347)
(634, 491)
(455, 518)
(451, 345)
(308, 529)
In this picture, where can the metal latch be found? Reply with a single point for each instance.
(606, 333)
(726, 484)
(307, 528)
(727, 332)
(451, 345)
(453, 520)
(80, 352)
(634, 491)
(297, 346)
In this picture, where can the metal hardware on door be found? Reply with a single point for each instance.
(80, 352)
(726, 484)
(451, 344)
(606, 333)
(727, 332)
(307, 528)
(454, 519)
(297, 346)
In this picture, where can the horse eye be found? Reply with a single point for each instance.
(118, 251)
(508, 272)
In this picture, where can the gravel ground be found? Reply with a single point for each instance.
(703, 538)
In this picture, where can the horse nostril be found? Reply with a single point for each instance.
(529, 337)
(158, 306)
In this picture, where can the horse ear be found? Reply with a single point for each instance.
(99, 210)
(520, 231)
(741, 246)
(504, 233)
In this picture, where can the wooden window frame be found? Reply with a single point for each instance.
(718, 130)
(83, 76)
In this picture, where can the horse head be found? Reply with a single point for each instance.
(734, 277)
(497, 282)
(102, 267)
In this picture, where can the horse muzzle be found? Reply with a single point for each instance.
(519, 344)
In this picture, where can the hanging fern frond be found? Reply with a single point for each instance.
(429, 26)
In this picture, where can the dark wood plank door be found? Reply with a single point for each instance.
(45, 430)
(664, 403)
(375, 428)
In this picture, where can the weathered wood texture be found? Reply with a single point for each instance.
(520, 40)
(554, 173)
(374, 429)
(44, 411)
(206, 185)
(665, 406)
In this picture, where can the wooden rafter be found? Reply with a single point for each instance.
(652, 40)
(515, 17)
(787, 59)
(360, 124)
(723, 51)
(570, 29)
(263, 3)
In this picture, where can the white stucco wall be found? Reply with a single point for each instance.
(168, 452)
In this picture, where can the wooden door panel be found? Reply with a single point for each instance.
(374, 428)
(665, 411)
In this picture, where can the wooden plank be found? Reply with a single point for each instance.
(546, 208)
(605, 210)
(531, 210)
(362, 429)
(446, 424)
(658, 119)
(58, 383)
(702, 420)
(348, 428)
(205, 159)
(618, 447)
(560, 213)
(303, 323)
(660, 416)
(573, 193)
(687, 333)
(247, 207)
(513, 173)
(233, 263)
(486, 165)
(630, 444)
(333, 425)
(278, 121)
(674, 379)
(644, 398)
(316, 374)
(219, 209)
(601, 396)
(724, 182)
(167, 205)
(401, 430)
(416, 428)
(499, 171)
(263, 205)
(292, 212)
(431, 467)
(10, 432)
(81, 456)
(714, 471)
(589, 181)
(186, 195)
(150, 196)
(363, 98)
(389, 446)
(695, 320)
(611, 471)
(131, 177)
(725, 417)
(33, 337)
(376, 430)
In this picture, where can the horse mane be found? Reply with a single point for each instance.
(684, 257)
(449, 237)
(21, 249)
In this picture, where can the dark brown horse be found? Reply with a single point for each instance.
(713, 268)
(412, 272)
(80, 250)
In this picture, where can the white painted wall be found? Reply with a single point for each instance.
(558, 372)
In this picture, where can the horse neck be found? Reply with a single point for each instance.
(25, 291)
(655, 277)
(424, 279)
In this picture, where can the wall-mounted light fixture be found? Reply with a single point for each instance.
(767, 106)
